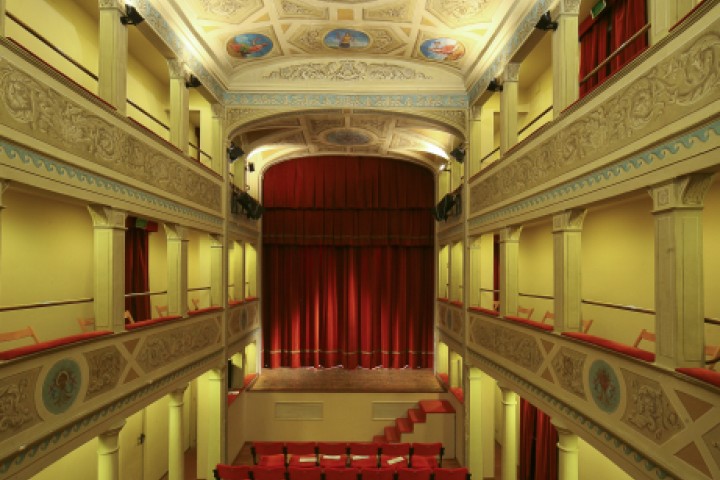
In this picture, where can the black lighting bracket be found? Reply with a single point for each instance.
(132, 16)
(234, 152)
(458, 153)
(495, 86)
(192, 82)
(546, 23)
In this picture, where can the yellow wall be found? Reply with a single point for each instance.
(157, 268)
(535, 267)
(82, 462)
(47, 233)
(618, 267)
(146, 90)
(594, 465)
(198, 267)
(711, 263)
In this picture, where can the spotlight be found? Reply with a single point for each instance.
(546, 23)
(132, 16)
(250, 167)
(494, 86)
(192, 82)
(458, 153)
(234, 152)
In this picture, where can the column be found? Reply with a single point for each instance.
(2, 18)
(565, 57)
(663, 15)
(679, 290)
(177, 265)
(217, 144)
(3, 186)
(239, 277)
(216, 419)
(473, 423)
(108, 267)
(510, 440)
(487, 133)
(113, 50)
(217, 271)
(567, 452)
(509, 107)
(109, 453)
(176, 453)
(179, 105)
(473, 147)
(567, 235)
(509, 251)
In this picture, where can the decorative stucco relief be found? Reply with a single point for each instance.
(318, 125)
(461, 12)
(298, 9)
(669, 91)
(376, 125)
(568, 367)
(230, 8)
(346, 70)
(233, 322)
(397, 12)
(517, 347)
(712, 441)
(17, 403)
(39, 111)
(648, 409)
(163, 348)
(105, 366)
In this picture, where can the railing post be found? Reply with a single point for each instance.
(113, 61)
(565, 54)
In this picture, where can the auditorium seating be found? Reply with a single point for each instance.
(426, 455)
(451, 474)
(363, 454)
(332, 454)
(260, 472)
(232, 472)
(268, 453)
(413, 474)
(304, 473)
(301, 454)
(340, 473)
(395, 455)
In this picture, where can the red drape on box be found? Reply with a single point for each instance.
(136, 270)
(347, 263)
(601, 36)
(538, 444)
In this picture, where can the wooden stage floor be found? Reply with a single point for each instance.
(339, 379)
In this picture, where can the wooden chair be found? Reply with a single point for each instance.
(586, 324)
(26, 332)
(711, 353)
(196, 303)
(496, 305)
(525, 312)
(231, 472)
(86, 324)
(644, 335)
(162, 310)
(548, 316)
(128, 317)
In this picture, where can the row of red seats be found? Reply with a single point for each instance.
(348, 454)
(258, 472)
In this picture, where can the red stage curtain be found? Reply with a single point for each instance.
(136, 270)
(538, 444)
(347, 263)
(601, 36)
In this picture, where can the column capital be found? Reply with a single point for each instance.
(112, 5)
(176, 68)
(180, 390)
(114, 430)
(107, 217)
(510, 234)
(218, 111)
(568, 7)
(687, 192)
(511, 73)
(569, 220)
(4, 184)
(176, 232)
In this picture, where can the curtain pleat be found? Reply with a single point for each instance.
(136, 271)
(348, 263)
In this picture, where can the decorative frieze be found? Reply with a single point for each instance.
(517, 347)
(648, 409)
(568, 367)
(17, 403)
(105, 366)
(164, 348)
(346, 70)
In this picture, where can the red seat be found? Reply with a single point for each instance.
(341, 473)
(304, 473)
(301, 454)
(414, 473)
(426, 455)
(260, 472)
(332, 454)
(451, 473)
(268, 454)
(395, 455)
(377, 473)
(363, 454)
(231, 472)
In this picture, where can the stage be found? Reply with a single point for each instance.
(341, 380)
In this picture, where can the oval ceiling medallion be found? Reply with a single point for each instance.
(443, 49)
(346, 39)
(249, 45)
(348, 137)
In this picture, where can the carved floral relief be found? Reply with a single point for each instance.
(568, 366)
(17, 403)
(164, 348)
(649, 410)
(105, 366)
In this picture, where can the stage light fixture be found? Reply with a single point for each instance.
(458, 153)
(546, 23)
(250, 167)
(192, 82)
(495, 86)
(234, 152)
(132, 16)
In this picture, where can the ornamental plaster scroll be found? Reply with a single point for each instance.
(346, 71)
(111, 4)
(648, 410)
(683, 192)
(376, 125)
(37, 110)
(398, 12)
(517, 347)
(384, 40)
(461, 12)
(333, 100)
(105, 366)
(17, 403)
(233, 323)
(318, 125)
(670, 90)
(166, 347)
(297, 9)
(228, 8)
(712, 443)
(568, 366)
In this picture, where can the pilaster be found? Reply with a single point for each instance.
(568, 466)
(216, 419)
(565, 55)
(510, 438)
(109, 267)
(473, 422)
(3, 186)
(2, 18)
(179, 105)
(108, 453)
(473, 149)
(509, 107)
(113, 61)
(177, 264)
(217, 270)
(663, 15)
(487, 132)
(679, 291)
(176, 460)
(509, 250)
(218, 148)
(567, 236)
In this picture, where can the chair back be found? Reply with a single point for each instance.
(267, 473)
(377, 474)
(432, 450)
(342, 473)
(304, 473)
(460, 473)
(395, 449)
(301, 448)
(26, 332)
(525, 312)
(414, 474)
(259, 449)
(644, 335)
(332, 448)
(231, 472)
(363, 448)
(548, 316)
(86, 324)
